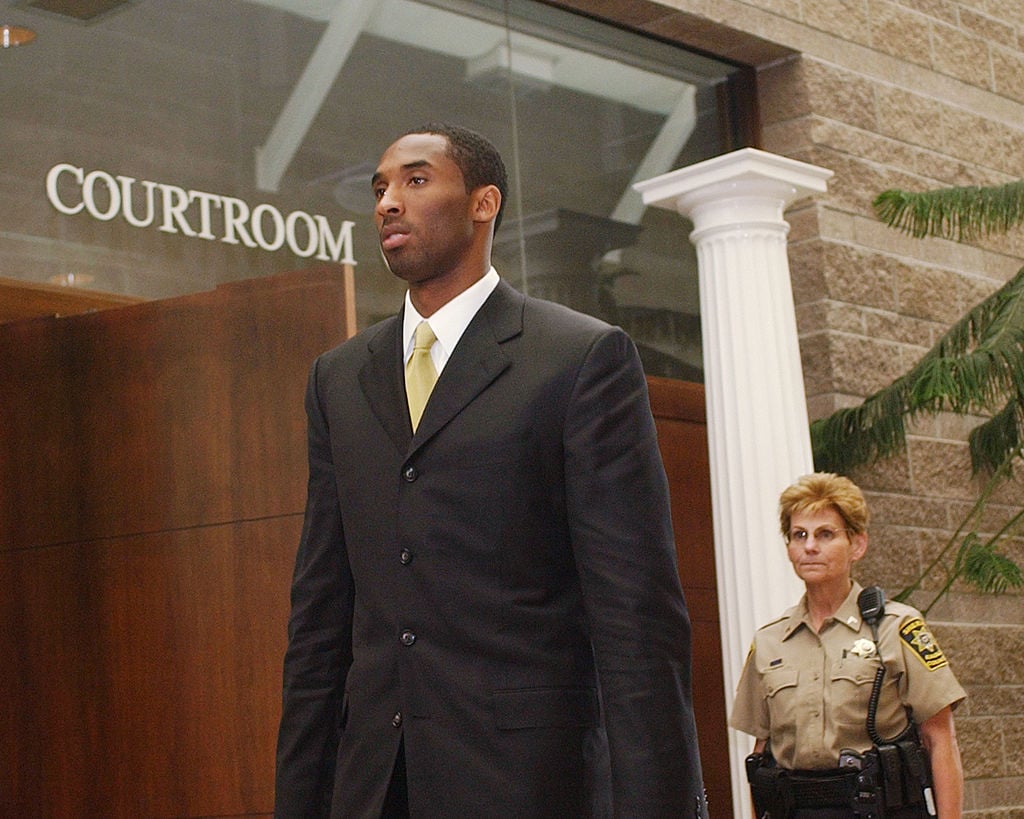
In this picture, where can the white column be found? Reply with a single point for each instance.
(758, 435)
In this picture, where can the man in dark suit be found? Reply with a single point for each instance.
(486, 614)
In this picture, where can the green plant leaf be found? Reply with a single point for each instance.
(977, 367)
(959, 213)
(991, 572)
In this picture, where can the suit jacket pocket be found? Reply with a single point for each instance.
(545, 708)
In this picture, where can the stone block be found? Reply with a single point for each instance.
(982, 746)
(789, 136)
(902, 113)
(1008, 73)
(879, 568)
(923, 292)
(803, 222)
(863, 364)
(1013, 730)
(895, 507)
(812, 316)
(782, 92)
(858, 277)
(1007, 645)
(962, 55)
(945, 171)
(954, 426)
(847, 18)
(941, 468)
(815, 360)
(834, 93)
(821, 406)
(988, 28)
(997, 700)
(903, 329)
(944, 10)
(970, 653)
(836, 225)
(806, 263)
(976, 607)
(1011, 11)
(901, 32)
(968, 136)
(856, 182)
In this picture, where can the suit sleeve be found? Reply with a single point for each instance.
(620, 519)
(319, 637)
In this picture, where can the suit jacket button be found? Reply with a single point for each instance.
(396, 720)
(410, 473)
(408, 638)
(405, 557)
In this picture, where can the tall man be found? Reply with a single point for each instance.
(486, 613)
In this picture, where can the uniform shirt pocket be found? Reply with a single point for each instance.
(780, 691)
(852, 680)
(780, 682)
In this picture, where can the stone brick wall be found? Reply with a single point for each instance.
(935, 97)
(932, 95)
(914, 94)
(920, 94)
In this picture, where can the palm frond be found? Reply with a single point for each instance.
(990, 572)
(978, 365)
(959, 213)
(999, 440)
(867, 433)
(975, 364)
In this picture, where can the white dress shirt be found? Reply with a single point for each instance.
(450, 322)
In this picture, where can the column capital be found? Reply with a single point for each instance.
(767, 181)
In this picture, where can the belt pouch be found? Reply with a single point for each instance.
(892, 775)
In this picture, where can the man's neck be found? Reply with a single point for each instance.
(430, 296)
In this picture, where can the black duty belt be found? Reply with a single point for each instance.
(821, 789)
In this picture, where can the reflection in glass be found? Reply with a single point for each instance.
(282, 107)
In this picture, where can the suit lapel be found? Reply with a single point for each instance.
(477, 360)
(382, 382)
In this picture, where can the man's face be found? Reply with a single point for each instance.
(423, 212)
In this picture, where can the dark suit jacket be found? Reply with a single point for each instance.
(499, 589)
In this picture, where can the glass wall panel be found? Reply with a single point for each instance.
(159, 147)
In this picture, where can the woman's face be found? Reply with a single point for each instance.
(822, 550)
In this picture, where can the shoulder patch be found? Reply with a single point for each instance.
(916, 635)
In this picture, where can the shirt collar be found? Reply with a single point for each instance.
(848, 613)
(451, 321)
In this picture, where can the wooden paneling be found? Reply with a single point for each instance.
(682, 435)
(146, 672)
(20, 300)
(152, 476)
(173, 413)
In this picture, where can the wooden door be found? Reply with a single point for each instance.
(152, 482)
(682, 433)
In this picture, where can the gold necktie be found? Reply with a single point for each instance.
(420, 375)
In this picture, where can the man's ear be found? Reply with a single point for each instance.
(486, 203)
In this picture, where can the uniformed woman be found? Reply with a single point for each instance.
(806, 685)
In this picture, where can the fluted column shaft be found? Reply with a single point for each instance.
(758, 436)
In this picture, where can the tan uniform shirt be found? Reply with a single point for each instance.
(808, 692)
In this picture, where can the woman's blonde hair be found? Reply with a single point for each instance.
(824, 490)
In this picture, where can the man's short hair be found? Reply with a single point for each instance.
(476, 156)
